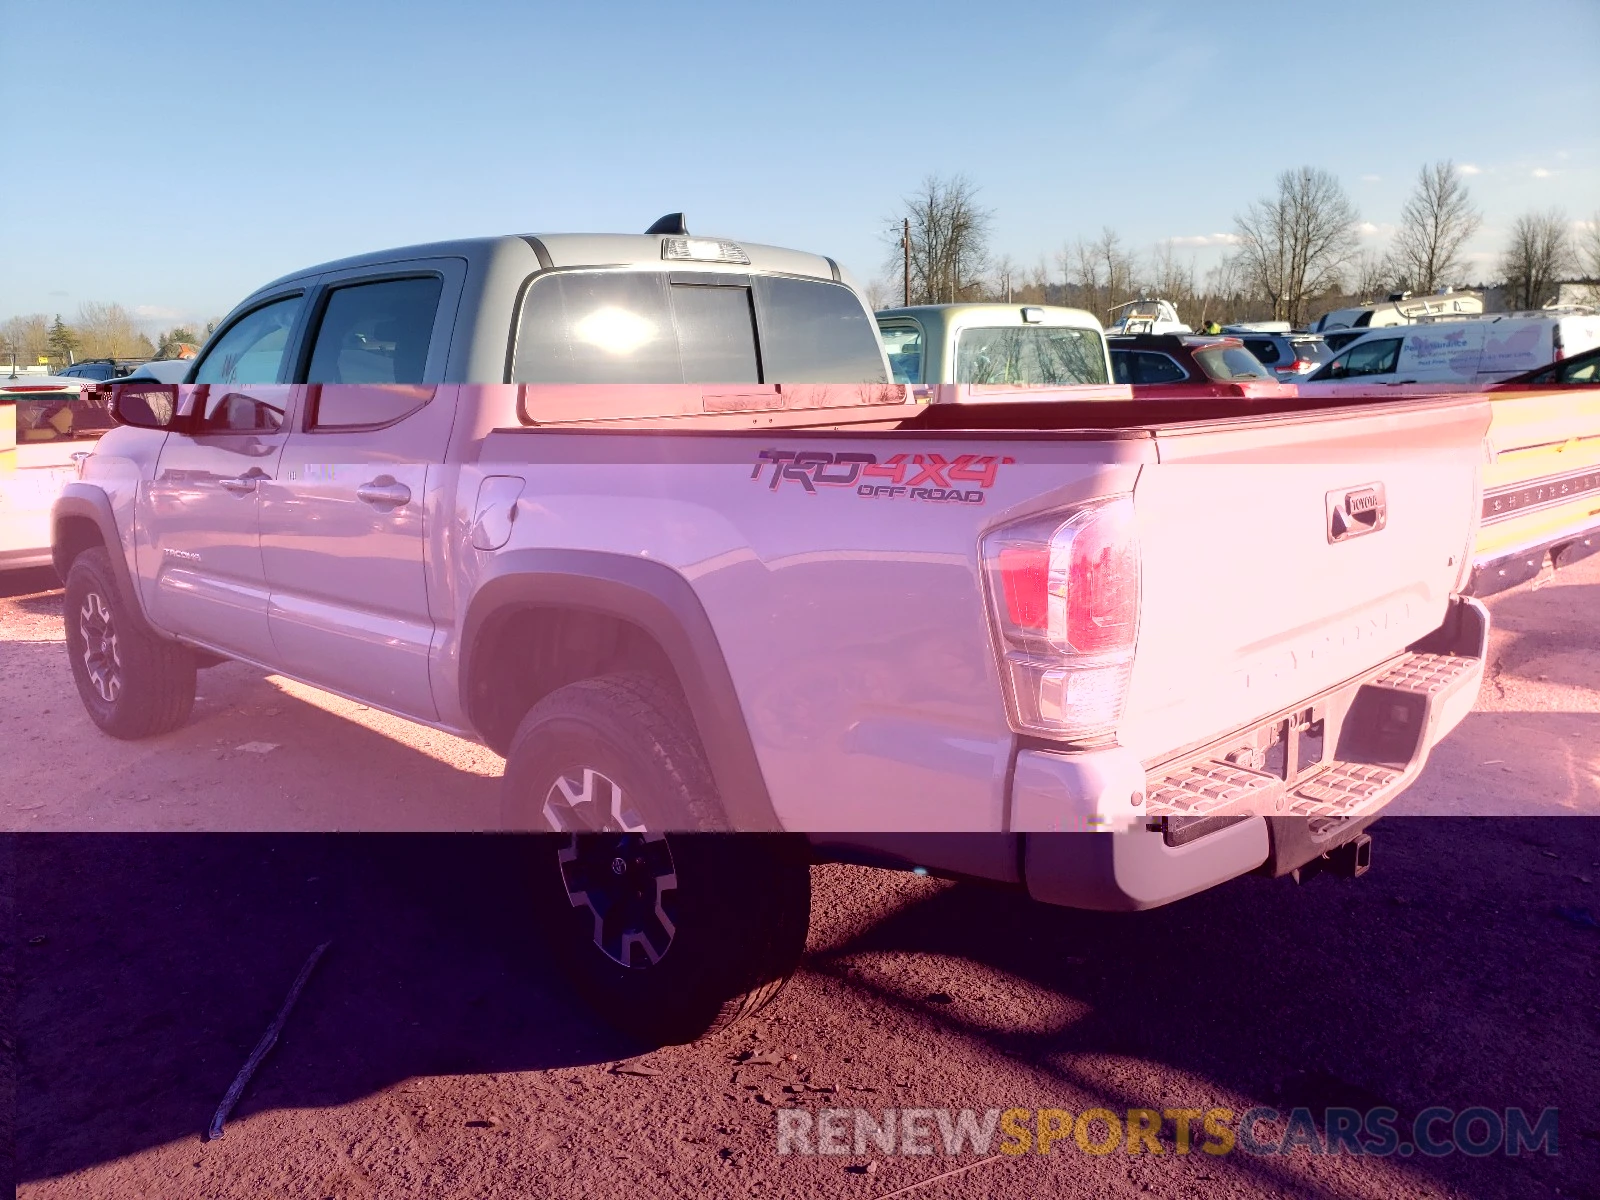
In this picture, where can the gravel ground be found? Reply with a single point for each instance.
(433, 1055)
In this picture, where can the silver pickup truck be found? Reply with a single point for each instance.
(646, 515)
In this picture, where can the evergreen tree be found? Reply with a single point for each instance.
(62, 340)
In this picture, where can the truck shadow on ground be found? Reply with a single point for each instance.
(148, 966)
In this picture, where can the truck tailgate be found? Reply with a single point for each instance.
(1284, 555)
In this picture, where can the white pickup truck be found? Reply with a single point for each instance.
(646, 515)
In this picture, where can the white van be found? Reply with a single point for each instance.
(1481, 350)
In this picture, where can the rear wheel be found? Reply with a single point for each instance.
(669, 933)
(133, 683)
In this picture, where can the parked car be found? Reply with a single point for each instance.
(646, 515)
(1289, 356)
(45, 420)
(1146, 359)
(1475, 351)
(96, 369)
(994, 344)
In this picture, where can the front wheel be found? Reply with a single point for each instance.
(133, 683)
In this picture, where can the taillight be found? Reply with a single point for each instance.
(1064, 599)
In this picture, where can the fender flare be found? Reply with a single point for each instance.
(660, 601)
(84, 500)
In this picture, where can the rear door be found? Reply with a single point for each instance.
(1285, 555)
(201, 561)
(342, 525)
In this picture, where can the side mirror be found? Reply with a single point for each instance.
(145, 405)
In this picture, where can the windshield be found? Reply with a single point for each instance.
(1030, 354)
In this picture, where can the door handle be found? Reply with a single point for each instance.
(384, 492)
(243, 485)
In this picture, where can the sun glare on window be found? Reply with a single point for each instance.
(615, 330)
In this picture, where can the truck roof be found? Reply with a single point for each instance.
(997, 313)
(542, 251)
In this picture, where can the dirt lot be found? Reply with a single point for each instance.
(433, 1055)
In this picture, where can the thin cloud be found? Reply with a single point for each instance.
(1372, 179)
(1368, 229)
(1542, 173)
(1200, 240)
(1470, 169)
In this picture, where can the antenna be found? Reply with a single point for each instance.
(671, 224)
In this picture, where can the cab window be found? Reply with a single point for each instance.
(376, 332)
(1030, 354)
(904, 346)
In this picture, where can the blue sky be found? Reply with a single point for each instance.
(171, 157)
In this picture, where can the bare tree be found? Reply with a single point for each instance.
(1372, 276)
(107, 331)
(1588, 255)
(28, 338)
(1537, 254)
(1099, 274)
(1007, 278)
(1297, 244)
(949, 240)
(1436, 222)
(1171, 278)
(1589, 248)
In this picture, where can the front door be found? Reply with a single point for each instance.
(342, 525)
(201, 569)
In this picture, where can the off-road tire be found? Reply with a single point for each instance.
(693, 931)
(133, 682)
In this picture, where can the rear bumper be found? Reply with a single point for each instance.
(1330, 766)
(1508, 568)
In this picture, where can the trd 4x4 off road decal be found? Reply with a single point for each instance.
(963, 479)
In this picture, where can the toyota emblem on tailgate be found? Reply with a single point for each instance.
(1357, 510)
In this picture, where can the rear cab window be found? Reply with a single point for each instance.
(658, 327)
(1030, 354)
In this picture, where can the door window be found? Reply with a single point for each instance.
(373, 334)
(251, 350)
(376, 332)
(1376, 357)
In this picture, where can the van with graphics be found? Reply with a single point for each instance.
(648, 516)
(1475, 351)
